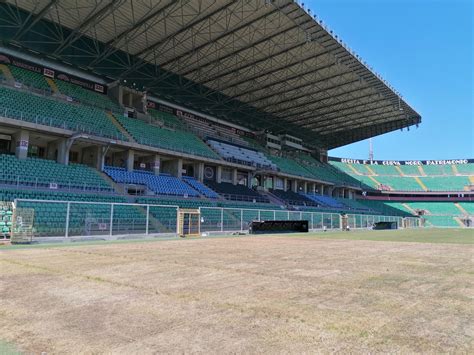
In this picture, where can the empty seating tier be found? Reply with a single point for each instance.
(176, 140)
(41, 173)
(160, 184)
(29, 78)
(241, 155)
(168, 119)
(87, 97)
(29, 107)
(200, 187)
(236, 192)
(293, 198)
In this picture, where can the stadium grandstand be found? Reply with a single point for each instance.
(117, 115)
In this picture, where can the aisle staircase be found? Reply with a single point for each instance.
(354, 169)
(460, 208)
(120, 127)
(455, 169)
(399, 170)
(423, 186)
(370, 170)
(420, 169)
(409, 208)
(6, 72)
(52, 84)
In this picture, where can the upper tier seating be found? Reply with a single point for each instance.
(26, 106)
(290, 166)
(168, 119)
(176, 140)
(326, 172)
(437, 170)
(410, 170)
(200, 187)
(465, 169)
(40, 173)
(29, 78)
(452, 183)
(400, 183)
(293, 198)
(236, 192)
(384, 170)
(87, 96)
(162, 184)
(438, 208)
(241, 155)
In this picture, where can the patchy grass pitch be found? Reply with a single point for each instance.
(323, 292)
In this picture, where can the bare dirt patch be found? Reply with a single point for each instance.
(249, 294)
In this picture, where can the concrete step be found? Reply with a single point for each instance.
(117, 124)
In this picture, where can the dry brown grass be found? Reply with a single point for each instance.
(249, 294)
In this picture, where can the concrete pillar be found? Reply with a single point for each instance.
(156, 164)
(51, 150)
(321, 189)
(176, 168)
(305, 187)
(294, 186)
(21, 144)
(200, 172)
(100, 157)
(285, 184)
(234, 177)
(129, 159)
(63, 151)
(219, 174)
(313, 188)
(249, 179)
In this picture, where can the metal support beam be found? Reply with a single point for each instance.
(273, 71)
(225, 34)
(324, 114)
(150, 49)
(79, 31)
(34, 19)
(113, 45)
(258, 88)
(313, 103)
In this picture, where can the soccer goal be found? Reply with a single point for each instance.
(189, 222)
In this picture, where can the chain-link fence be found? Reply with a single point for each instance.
(216, 219)
(90, 219)
(46, 218)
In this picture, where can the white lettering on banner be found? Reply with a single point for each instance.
(408, 162)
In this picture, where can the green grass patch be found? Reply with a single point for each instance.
(8, 349)
(453, 236)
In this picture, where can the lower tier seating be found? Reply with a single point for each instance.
(40, 173)
(293, 198)
(236, 192)
(162, 184)
(200, 187)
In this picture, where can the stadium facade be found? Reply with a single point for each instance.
(114, 116)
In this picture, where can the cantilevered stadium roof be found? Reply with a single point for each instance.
(260, 63)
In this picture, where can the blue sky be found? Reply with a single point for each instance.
(424, 49)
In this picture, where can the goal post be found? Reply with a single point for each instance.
(189, 222)
(22, 230)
